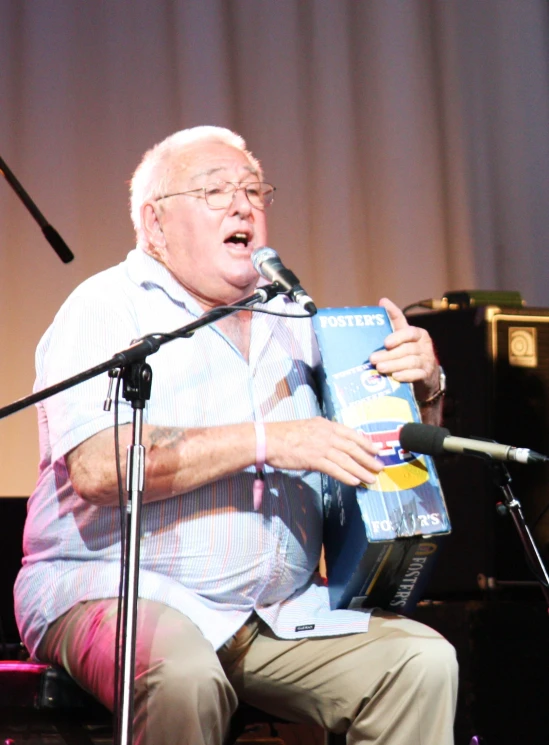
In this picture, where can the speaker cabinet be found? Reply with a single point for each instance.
(13, 511)
(503, 654)
(497, 366)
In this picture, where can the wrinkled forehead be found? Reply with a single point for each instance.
(202, 163)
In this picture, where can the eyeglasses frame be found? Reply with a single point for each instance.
(238, 186)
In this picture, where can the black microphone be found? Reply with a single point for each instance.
(267, 262)
(430, 440)
(50, 233)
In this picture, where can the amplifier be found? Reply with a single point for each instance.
(13, 511)
(497, 365)
(503, 654)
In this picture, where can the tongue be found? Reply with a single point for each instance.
(236, 241)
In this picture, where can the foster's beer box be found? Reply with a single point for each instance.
(380, 540)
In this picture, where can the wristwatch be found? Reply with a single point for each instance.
(439, 393)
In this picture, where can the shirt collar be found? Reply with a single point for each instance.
(146, 271)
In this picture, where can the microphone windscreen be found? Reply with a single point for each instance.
(423, 438)
(259, 255)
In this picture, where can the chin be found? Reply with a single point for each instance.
(239, 287)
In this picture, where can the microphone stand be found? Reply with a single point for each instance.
(50, 233)
(137, 376)
(502, 478)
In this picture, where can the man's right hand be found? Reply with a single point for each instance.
(321, 445)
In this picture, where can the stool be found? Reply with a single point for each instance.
(39, 700)
(43, 701)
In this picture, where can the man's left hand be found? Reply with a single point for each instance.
(409, 355)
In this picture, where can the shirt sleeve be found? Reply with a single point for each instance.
(85, 333)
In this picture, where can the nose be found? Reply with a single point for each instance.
(240, 204)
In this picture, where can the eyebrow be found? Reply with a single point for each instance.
(210, 171)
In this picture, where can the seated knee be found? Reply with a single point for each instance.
(436, 659)
(206, 683)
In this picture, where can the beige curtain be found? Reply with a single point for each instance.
(408, 139)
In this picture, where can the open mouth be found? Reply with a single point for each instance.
(238, 239)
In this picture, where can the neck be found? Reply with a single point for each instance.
(231, 298)
(237, 327)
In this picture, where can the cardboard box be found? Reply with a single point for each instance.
(381, 540)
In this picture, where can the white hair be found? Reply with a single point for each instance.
(152, 176)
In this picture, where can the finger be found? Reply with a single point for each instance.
(406, 349)
(396, 316)
(345, 468)
(410, 375)
(357, 454)
(410, 369)
(364, 459)
(345, 477)
(348, 455)
(396, 339)
(391, 365)
(360, 442)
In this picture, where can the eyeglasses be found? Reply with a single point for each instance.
(220, 195)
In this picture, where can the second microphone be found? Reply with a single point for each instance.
(267, 263)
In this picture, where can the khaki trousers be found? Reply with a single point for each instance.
(395, 685)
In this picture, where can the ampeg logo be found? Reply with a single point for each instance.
(523, 346)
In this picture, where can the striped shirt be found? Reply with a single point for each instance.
(207, 553)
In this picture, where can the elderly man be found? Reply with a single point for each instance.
(230, 604)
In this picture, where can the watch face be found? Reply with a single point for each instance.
(442, 380)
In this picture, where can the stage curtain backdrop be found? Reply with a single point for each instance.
(408, 140)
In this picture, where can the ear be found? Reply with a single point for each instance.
(152, 228)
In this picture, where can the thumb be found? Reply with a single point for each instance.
(397, 317)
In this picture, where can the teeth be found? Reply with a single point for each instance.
(240, 238)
